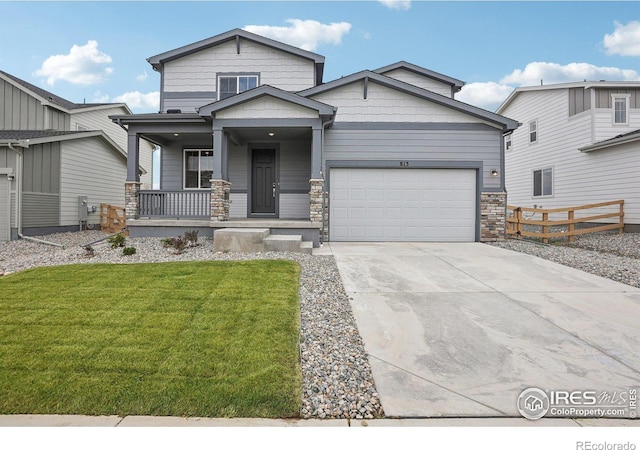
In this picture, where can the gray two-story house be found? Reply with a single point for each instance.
(252, 136)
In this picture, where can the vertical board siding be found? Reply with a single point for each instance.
(41, 168)
(421, 81)
(5, 208)
(578, 178)
(417, 145)
(197, 72)
(40, 210)
(19, 110)
(384, 104)
(90, 167)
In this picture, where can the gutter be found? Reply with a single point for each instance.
(19, 199)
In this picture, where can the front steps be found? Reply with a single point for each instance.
(253, 240)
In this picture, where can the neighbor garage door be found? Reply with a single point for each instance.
(402, 205)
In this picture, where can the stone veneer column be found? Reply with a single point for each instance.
(131, 199)
(220, 190)
(317, 212)
(493, 213)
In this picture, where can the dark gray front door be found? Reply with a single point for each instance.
(263, 181)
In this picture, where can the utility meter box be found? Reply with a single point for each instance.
(83, 214)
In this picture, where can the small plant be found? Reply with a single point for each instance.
(191, 237)
(117, 240)
(129, 251)
(167, 242)
(89, 251)
(179, 244)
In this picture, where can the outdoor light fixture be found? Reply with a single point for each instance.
(176, 134)
(271, 133)
(494, 173)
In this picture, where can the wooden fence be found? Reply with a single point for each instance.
(519, 218)
(112, 218)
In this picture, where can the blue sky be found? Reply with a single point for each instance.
(96, 51)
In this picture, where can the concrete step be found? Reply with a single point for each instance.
(306, 247)
(246, 240)
(282, 243)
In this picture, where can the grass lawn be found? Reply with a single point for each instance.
(200, 339)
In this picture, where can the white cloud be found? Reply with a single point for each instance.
(551, 73)
(99, 97)
(396, 4)
(305, 34)
(139, 102)
(625, 40)
(487, 95)
(142, 76)
(84, 65)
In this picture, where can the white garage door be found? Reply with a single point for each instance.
(403, 205)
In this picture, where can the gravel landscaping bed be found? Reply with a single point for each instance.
(337, 379)
(609, 255)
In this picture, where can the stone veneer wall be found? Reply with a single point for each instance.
(493, 211)
(131, 199)
(220, 190)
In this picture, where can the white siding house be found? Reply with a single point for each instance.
(578, 144)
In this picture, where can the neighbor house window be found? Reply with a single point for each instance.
(620, 108)
(533, 131)
(542, 182)
(232, 85)
(198, 169)
(507, 142)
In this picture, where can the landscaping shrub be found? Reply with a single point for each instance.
(117, 240)
(129, 251)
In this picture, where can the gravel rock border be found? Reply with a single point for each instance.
(609, 255)
(337, 378)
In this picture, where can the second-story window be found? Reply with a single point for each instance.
(507, 142)
(533, 131)
(229, 85)
(620, 108)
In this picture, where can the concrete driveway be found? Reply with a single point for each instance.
(460, 330)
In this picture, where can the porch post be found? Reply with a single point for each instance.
(132, 184)
(316, 153)
(220, 186)
(316, 194)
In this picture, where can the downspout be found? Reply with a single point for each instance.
(324, 199)
(19, 200)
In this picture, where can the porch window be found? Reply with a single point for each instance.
(232, 85)
(198, 169)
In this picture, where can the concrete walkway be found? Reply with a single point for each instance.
(460, 330)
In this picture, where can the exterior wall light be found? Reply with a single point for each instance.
(494, 173)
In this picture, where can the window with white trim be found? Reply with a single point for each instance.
(507, 142)
(235, 84)
(620, 108)
(533, 131)
(543, 182)
(198, 169)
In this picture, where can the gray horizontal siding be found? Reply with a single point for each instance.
(294, 206)
(40, 210)
(418, 145)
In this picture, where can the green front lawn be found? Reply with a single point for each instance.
(203, 339)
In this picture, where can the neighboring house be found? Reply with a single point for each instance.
(53, 151)
(579, 143)
(251, 136)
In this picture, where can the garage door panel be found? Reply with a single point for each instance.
(403, 205)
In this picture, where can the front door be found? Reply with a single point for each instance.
(263, 181)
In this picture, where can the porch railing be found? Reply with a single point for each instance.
(175, 203)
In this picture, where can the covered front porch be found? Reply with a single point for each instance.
(224, 165)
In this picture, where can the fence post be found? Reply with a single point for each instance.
(518, 215)
(545, 228)
(572, 225)
(621, 229)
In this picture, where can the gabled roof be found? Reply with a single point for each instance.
(323, 109)
(453, 82)
(625, 138)
(25, 138)
(237, 34)
(367, 75)
(580, 84)
(51, 99)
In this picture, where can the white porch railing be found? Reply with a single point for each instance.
(175, 203)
